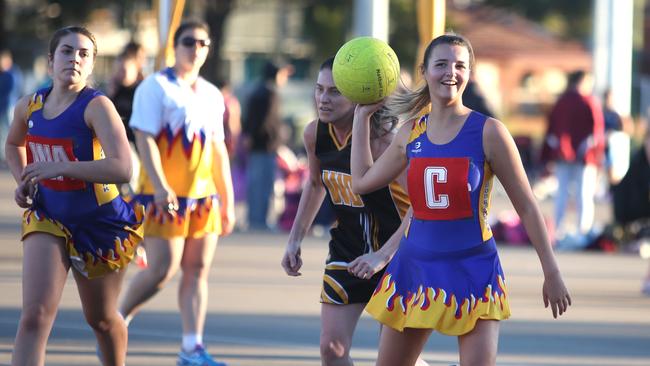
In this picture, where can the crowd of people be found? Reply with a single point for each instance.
(146, 168)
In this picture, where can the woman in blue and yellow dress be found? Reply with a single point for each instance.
(446, 275)
(185, 184)
(66, 149)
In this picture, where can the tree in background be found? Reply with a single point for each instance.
(403, 32)
(3, 26)
(566, 19)
(214, 14)
(327, 25)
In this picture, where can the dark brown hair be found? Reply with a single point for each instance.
(576, 77)
(130, 50)
(190, 24)
(60, 33)
(327, 64)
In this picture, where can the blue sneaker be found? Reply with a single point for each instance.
(198, 357)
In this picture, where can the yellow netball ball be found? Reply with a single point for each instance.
(365, 70)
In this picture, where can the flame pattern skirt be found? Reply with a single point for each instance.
(444, 291)
(97, 244)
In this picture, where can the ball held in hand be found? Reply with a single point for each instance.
(365, 70)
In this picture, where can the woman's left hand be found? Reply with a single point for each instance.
(367, 265)
(36, 172)
(556, 294)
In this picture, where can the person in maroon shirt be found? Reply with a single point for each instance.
(575, 142)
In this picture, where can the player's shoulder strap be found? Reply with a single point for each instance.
(323, 140)
(418, 127)
(36, 101)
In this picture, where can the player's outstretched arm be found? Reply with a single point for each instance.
(310, 202)
(503, 157)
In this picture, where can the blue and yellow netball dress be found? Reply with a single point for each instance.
(186, 121)
(100, 229)
(364, 222)
(446, 274)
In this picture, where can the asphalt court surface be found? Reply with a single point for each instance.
(258, 316)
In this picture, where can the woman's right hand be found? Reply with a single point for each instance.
(165, 200)
(24, 194)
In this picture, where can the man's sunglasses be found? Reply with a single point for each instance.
(190, 42)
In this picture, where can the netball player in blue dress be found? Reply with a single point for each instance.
(446, 275)
(66, 149)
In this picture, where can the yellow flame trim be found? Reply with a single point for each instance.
(429, 308)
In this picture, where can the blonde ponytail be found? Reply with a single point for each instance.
(408, 104)
(383, 122)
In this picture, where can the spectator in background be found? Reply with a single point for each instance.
(631, 202)
(261, 133)
(232, 138)
(612, 119)
(473, 98)
(616, 159)
(231, 117)
(127, 75)
(10, 90)
(575, 143)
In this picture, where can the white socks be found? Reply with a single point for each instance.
(190, 341)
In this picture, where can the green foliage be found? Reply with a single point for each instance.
(567, 19)
(326, 25)
(71, 12)
(403, 32)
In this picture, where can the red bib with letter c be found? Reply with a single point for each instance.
(438, 188)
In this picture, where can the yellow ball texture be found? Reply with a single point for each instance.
(365, 70)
